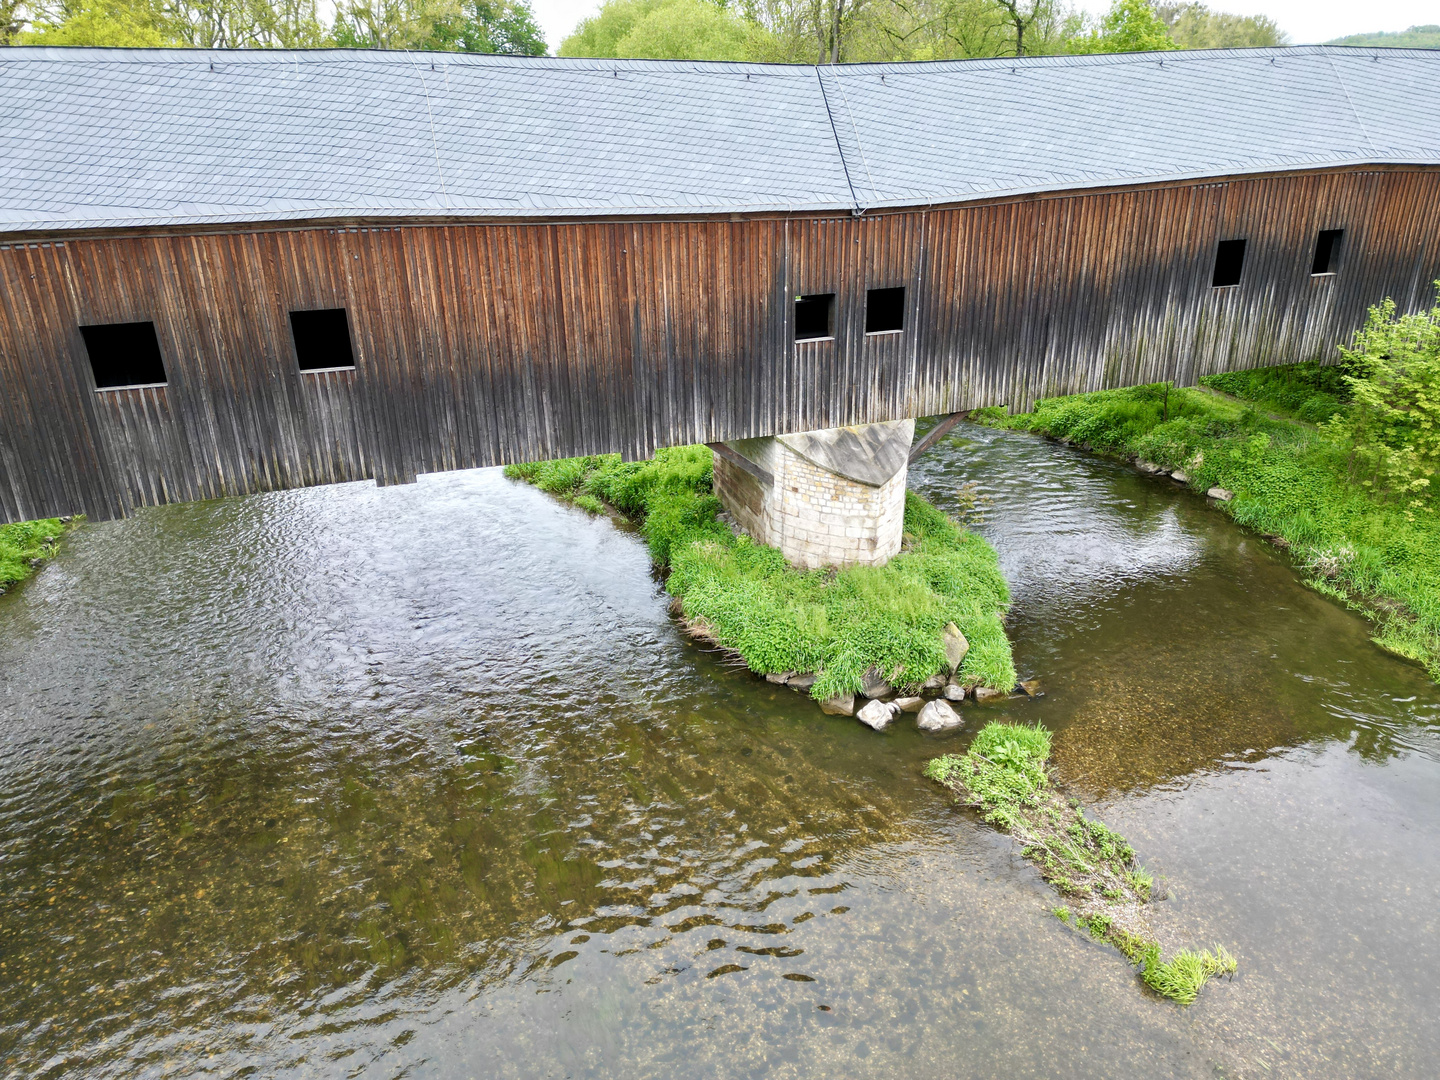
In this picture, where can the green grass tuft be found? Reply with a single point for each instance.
(746, 598)
(1184, 975)
(24, 545)
(1310, 392)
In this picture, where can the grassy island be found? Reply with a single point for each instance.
(1005, 775)
(838, 624)
(1337, 464)
(25, 546)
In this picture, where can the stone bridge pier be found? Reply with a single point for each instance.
(834, 497)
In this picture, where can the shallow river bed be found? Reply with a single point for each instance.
(422, 781)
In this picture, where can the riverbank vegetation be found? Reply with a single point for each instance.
(1005, 775)
(26, 546)
(838, 624)
(1337, 465)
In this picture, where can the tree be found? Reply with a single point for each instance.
(99, 22)
(478, 26)
(1195, 26)
(663, 29)
(1129, 26)
(489, 26)
(1020, 18)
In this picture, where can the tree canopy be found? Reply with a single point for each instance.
(836, 31)
(484, 26)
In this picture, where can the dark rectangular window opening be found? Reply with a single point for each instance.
(124, 355)
(813, 316)
(884, 311)
(1229, 261)
(1327, 249)
(322, 340)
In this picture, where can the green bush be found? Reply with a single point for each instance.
(839, 624)
(1392, 427)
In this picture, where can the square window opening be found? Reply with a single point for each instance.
(124, 355)
(322, 340)
(884, 311)
(1229, 261)
(1327, 251)
(813, 316)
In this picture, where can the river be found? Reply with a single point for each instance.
(422, 781)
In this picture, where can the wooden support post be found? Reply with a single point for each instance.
(938, 432)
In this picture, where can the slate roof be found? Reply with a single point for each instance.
(96, 138)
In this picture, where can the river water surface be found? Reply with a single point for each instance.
(422, 781)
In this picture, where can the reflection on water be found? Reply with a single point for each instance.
(422, 781)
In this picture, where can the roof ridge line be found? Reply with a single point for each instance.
(1351, 102)
(839, 147)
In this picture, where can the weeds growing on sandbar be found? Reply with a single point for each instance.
(1005, 775)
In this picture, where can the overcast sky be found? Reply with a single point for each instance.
(1304, 20)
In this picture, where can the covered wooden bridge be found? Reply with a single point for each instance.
(228, 272)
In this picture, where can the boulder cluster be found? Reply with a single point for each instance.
(935, 703)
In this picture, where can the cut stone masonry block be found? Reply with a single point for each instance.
(837, 497)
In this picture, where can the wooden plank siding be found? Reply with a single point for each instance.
(487, 343)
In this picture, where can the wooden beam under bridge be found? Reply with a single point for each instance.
(935, 434)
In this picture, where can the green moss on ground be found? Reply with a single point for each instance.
(1005, 775)
(25, 546)
(1291, 483)
(747, 599)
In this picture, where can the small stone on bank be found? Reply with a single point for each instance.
(1221, 494)
(1149, 467)
(909, 704)
(955, 645)
(873, 685)
(781, 677)
(1180, 476)
(934, 682)
(877, 714)
(954, 691)
(802, 682)
(938, 716)
(839, 705)
(988, 693)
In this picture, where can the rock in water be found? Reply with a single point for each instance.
(955, 646)
(954, 691)
(873, 685)
(1032, 688)
(1222, 494)
(839, 705)
(877, 714)
(987, 693)
(781, 677)
(938, 716)
(909, 704)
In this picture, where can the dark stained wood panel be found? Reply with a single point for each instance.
(483, 344)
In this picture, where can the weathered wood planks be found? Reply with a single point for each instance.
(482, 344)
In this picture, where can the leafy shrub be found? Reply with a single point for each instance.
(1392, 428)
